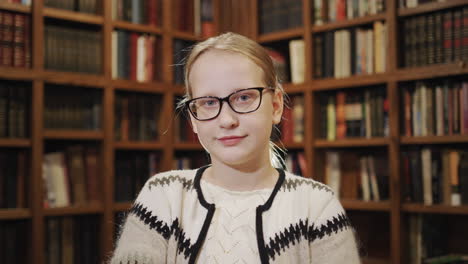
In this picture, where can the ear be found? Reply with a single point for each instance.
(278, 104)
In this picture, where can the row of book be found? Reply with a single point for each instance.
(14, 242)
(289, 67)
(435, 176)
(132, 169)
(13, 179)
(138, 11)
(71, 176)
(137, 117)
(136, 56)
(78, 108)
(436, 108)
(353, 176)
(339, 10)
(354, 114)
(194, 16)
(85, 6)
(14, 110)
(277, 15)
(292, 123)
(428, 240)
(72, 240)
(72, 50)
(435, 38)
(15, 39)
(347, 52)
(23, 2)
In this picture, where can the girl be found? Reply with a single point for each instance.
(239, 209)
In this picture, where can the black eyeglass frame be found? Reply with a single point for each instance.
(226, 99)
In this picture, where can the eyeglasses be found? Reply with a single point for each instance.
(242, 102)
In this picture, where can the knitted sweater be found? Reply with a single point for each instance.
(300, 222)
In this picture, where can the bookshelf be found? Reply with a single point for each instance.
(41, 79)
(388, 218)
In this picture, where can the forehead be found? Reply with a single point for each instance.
(219, 73)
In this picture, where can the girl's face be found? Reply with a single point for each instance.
(232, 138)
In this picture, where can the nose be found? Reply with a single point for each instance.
(227, 117)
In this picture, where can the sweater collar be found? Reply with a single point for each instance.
(264, 207)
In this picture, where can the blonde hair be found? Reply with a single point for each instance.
(236, 43)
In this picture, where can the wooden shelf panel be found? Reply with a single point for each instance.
(373, 260)
(73, 16)
(15, 7)
(73, 134)
(11, 73)
(136, 27)
(178, 89)
(348, 23)
(434, 139)
(94, 208)
(78, 79)
(430, 7)
(293, 145)
(352, 142)
(15, 143)
(429, 72)
(188, 146)
(366, 206)
(281, 35)
(186, 36)
(122, 206)
(291, 88)
(151, 87)
(435, 209)
(138, 145)
(349, 82)
(14, 213)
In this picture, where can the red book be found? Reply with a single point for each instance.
(18, 40)
(208, 29)
(27, 42)
(149, 60)
(92, 174)
(464, 107)
(407, 98)
(7, 40)
(450, 109)
(133, 55)
(340, 115)
(152, 12)
(340, 10)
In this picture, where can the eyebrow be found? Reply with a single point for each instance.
(236, 90)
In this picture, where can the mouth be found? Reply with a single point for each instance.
(231, 140)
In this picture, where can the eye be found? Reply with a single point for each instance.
(207, 102)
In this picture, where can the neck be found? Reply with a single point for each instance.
(242, 178)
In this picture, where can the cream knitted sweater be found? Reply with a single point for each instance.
(301, 221)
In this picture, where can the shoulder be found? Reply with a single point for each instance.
(174, 179)
(312, 196)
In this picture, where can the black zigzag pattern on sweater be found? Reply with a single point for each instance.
(292, 184)
(183, 244)
(186, 183)
(295, 233)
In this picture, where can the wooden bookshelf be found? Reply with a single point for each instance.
(15, 214)
(15, 143)
(38, 77)
(73, 16)
(348, 23)
(136, 27)
(430, 7)
(15, 7)
(394, 250)
(352, 143)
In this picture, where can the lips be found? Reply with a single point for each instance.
(231, 140)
